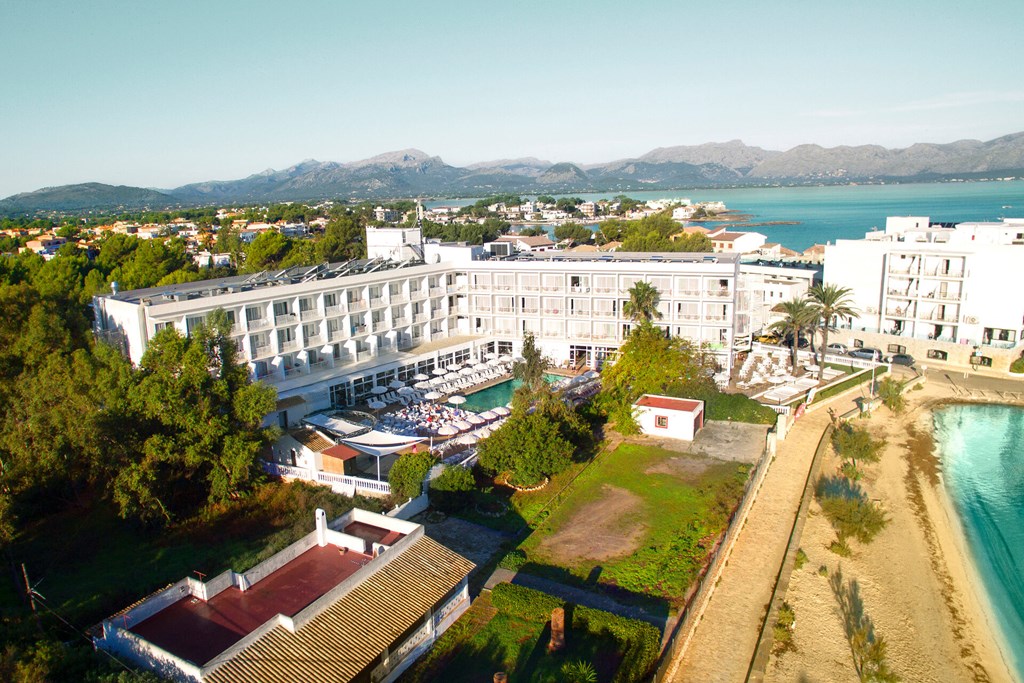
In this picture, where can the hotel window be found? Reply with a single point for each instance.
(193, 322)
(330, 299)
(253, 313)
(935, 354)
(661, 421)
(159, 327)
(281, 308)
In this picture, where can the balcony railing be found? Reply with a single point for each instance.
(293, 371)
(286, 319)
(258, 324)
(314, 340)
(688, 292)
(531, 311)
(687, 316)
(335, 335)
(289, 346)
(505, 309)
(377, 301)
(435, 291)
(262, 351)
(319, 366)
(359, 329)
(399, 299)
(421, 318)
(400, 321)
(605, 314)
(581, 313)
(358, 305)
(363, 355)
(530, 288)
(715, 318)
(334, 310)
(719, 293)
(310, 314)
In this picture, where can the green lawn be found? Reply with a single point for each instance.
(89, 563)
(682, 503)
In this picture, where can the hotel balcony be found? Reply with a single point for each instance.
(456, 289)
(502, 288)
(357, 305)
(690, 293)
(531, 311)
(937, 272)
(294, 371)
(435, 291)
(311, 314)
(400, 321)
(334, 311)
(530, 288)
(603, 290)
(377, 302)
(315, 340)
(421, 318)
(719, 293)
(715, 318)
(503, 309)
(264, 351)
(289, 346)
(605, 314)
(948, 296)
(286, 319)
(399, 299)
(903, 294)
(687, 316)
(258, 324)
(320, 366)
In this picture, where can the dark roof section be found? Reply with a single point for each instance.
(347, 637)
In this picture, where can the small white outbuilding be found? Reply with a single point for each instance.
(668, 417)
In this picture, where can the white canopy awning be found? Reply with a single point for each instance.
(380, 444)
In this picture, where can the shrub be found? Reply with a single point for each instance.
(855, 444)
(524, 603)
(801, 559)
(407, 474)
(579, 672)
(891, 393)
(848, 509)
(1017, 366)
(736, 407)
(530, 446)
(782, 631)
(450, 492)
(640, 641)
(513, 561)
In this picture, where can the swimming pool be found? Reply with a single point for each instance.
(498, 395)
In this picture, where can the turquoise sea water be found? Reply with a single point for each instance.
(982, 454)
(845, 211)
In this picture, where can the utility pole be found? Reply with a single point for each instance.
(28, 588)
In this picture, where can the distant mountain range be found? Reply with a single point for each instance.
(412, 173)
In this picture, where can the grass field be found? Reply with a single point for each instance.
(88, 563)
(640, 520)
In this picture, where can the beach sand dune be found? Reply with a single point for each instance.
(915, 580)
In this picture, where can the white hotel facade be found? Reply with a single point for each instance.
(325, 335)
(945, 294)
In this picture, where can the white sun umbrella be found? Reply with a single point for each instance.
(432, 395)
(405, 391)
(501, 410)
(468, 439)
(494, 362)
(396, 384)
(488, 415)
(507, 358)
(452, 376)
(377, 405)
(469, 362)
(490, 356)
(379, 390)
(480, 367)
(474, 419)
(419, 376)
(777, 380)
(457, 400)
(462, 425)
(467, 371)
(439, 371)
(447, 430)
(422, 385)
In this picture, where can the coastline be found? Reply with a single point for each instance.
(918, 581)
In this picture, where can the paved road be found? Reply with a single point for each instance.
(727, 635)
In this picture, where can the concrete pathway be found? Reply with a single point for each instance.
(726, 637)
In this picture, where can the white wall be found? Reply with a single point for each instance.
(680, 424)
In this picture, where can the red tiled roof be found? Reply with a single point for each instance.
(668, 403)
(340, 451)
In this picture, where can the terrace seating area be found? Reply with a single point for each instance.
(446, 381)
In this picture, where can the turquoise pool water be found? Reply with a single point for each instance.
(982, 453)
(498, 395)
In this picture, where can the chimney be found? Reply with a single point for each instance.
(321, 527)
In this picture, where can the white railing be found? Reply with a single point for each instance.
(327, 478)
(286, 319)
(258, 324)
(334, 310)
(310, 314)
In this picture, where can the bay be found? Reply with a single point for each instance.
(827, 213)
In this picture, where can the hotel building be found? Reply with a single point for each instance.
(325, 335)
(940, 292)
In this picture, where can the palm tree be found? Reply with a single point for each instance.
(800, 315)
(830, 302)
(643, 302)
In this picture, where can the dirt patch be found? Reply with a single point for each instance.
(598, 531)
(472, 541)
(688, 469)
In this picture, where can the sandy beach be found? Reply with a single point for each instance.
(915, 581)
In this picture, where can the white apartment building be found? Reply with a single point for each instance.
(940, 292)
(325, 335)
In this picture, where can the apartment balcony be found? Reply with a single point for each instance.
(334, 311)
(435, 291)
(903, 294)
(530, 288)
(937, 272)
(320, 366)
(552, 311)
(237, 330)
(481, 288)
(293, 371)
(603, 335)
(377, 326)
(946, 318)
(502, 288)
(505, 309)
(531, 311)
(439, 313)
(552, 333)
(377, 302)
(456, 289)
(603, 290)
(335, 335)
(357, 305)
(289, 346)
(400, 321)
(580, 335)
(315, 340)
(555, 290)
(718, 293)
(947, 296)
(687, 316)
(605, 314)
(420, 318)
(898, 313)
(579, 313)
(363, 355)
(691, 293)
(286, 319)
(902, 270)
(263, 351)
(358, 329)
(504, 331)
(483, 309)
(310, 314)
(579, 290)
(715, 318)
(258, 324)
(418, 294)
(399, 299)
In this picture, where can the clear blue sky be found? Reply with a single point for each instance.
(161, 93)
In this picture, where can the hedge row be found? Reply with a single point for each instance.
(640, 642)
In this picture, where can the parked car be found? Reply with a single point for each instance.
(768, 339)
(802, 343)
(866, 353)
(901, 359)
(841, 349)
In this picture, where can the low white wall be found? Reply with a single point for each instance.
(411, 507)
(218, 584)
(153, 604)
(272, 564)
(344, 540)
(141, 652)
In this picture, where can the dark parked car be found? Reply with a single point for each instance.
(802, 343)
(901, 359)
(866, 353)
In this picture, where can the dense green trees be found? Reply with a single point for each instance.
(407, 474)
(653, 233)
(574, 232)
(528, 447)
